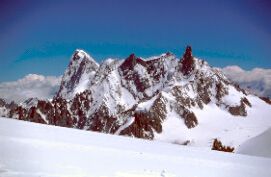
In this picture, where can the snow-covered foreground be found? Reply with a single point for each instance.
(257, 146)
(30, 149)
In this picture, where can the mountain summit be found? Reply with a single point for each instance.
(78, 75)
(182, 101)
(188, 61)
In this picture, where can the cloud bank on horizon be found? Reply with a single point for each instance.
(31, 86)
(256, 81)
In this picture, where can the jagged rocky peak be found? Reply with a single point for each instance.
(129, 62)
(188, 53)
(169, 54)
(131, 59)
(80, 56)
(188, 61)
(78, 75)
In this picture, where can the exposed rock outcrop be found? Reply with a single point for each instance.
(146, 122)
(241, 109)
(266, 99)
(188, 61)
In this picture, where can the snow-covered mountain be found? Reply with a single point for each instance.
(182, 101)
(257, 146)
(78, 75)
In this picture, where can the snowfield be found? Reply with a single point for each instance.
(31, 149)
(257, 146)
(215, 122)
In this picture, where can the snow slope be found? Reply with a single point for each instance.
(30, 149)
(218, 123)
(257, 146)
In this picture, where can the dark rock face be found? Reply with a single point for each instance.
(126, 70)
(203, 87)
(75, 56)
(19, 113)
(266, 99)
(102, 121)
(241, 109)
(12, 105)
(34, 116)
(23, 114)
(221, 91)
(145, 74)
(146, 123)
(156, 68)
(141, 83)
(181, 98)
(129, 63)
(47, 109)
(2, 102)
(35, 113)
(188, 61)
(238, 110)
(245, 101)
(237, 87)
(190, 119)
(76, 76)
(217, 145)
(62, 116)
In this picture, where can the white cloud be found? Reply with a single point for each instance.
(30, 86)
(256, 81)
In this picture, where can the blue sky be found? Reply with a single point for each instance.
(221, 32)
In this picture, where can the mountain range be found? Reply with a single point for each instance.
(164, 98)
